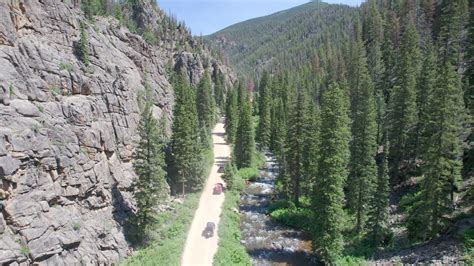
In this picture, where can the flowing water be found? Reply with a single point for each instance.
(267, 242)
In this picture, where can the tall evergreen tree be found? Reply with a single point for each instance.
(403, 114)
(469, 75)
(149, 164)
(296, 145)
(244, 147)
(328, 196)
(186, 155)
(426, 84)
(373, 29)
(442, 156)
(231, 115)
(219, 90)
(363, 146)
(205, 103)
(379, 203)
(311, 143)
(451, 24)
(264, 108)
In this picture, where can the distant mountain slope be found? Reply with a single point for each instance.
(284, 39)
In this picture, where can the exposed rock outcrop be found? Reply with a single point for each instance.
(67, 131)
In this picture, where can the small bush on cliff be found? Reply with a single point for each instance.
(83, 47)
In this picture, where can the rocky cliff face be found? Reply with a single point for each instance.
(67, 131)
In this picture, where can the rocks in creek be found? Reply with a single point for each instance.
(67, 131)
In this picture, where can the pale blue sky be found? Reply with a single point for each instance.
(209, 16)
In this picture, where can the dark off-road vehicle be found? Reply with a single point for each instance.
(209, 230)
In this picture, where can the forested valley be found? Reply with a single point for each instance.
(370, 120)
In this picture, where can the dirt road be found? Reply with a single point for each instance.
(199, 250)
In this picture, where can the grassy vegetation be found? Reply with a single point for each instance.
(469, 247)
(230, 251)
(170, 236)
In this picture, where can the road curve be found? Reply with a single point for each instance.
(199, 250)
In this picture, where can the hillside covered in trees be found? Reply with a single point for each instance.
(369, 113)
(285, 39)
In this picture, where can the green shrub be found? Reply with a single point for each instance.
(350, 261)
(24, 250)
(150, 37)
(76, 226)
(469, 246)
(66, 66)
(298, 218)
(250, 174)
(280, 204)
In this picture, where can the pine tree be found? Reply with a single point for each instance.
(442, 156)
(244, 147)
(186, 155)
(83, 46)
(373, 28)
(379, 203)
(403, 112)
(231, 115)
(469, 74)
(219, 89)
(311, 142)
(426, 84)
(264, 109)
(296, 145)
(451, 22)
(363, 146)
(328, 196)
(149, 164)
(205, 103)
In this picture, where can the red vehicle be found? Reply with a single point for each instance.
(218, 188)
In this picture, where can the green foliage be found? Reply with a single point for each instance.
(468, 240)
(442, 152)
(83, 46)
(350, 261)
(244, 149)
(332, 172)
(264, 101)
(186, 152)
(298, 218)
(231, 116)
(362, 176)
(66, 66)
(169, 235)
(219, 90)
(248, 173)
(287, 38)
(149, 164)
(55, 91)
(76, 226)
(230, 251)
(296, 146)
(378, 223)
(205, 103)
(150, 37)
(25, 251)
(402, 113)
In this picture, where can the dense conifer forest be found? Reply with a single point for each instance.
(369, 117)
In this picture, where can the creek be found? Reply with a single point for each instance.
(266, 241)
